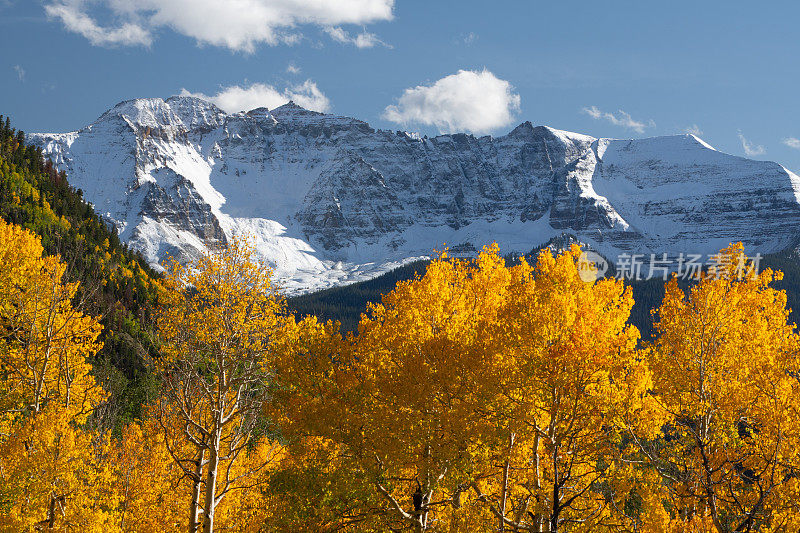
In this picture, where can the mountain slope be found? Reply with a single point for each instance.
(329, 200)
(117, 284)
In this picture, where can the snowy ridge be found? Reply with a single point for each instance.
(329, 200)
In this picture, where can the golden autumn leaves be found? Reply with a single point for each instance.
(46, 462)
(219, 323)
(478, 397)
(58, 472)
(481, 397)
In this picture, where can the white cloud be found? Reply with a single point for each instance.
(694, 129)
(792, 142)
(308, 95)
(362, 40)
(622, 119)
(236, 98)
(75, 20)
(475, 101)
(749, 148)
(20, 72)
(470, 38)
(291, 68)
(238, 25)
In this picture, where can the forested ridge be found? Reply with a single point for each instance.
(474, 395)
(117, 283)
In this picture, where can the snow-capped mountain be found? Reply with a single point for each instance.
(329, 200)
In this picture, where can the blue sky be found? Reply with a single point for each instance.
(730, 70)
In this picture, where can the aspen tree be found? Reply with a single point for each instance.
(51, 472)
(561, 373)
(725, 373)
(218, 325)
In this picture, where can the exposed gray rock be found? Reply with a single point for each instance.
(328, 199)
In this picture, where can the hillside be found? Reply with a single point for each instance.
(117, 283)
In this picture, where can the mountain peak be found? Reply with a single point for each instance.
(188, 112)
(291, 109)
(292, 105)
(291, 113)
(184, 101)
(528, 130)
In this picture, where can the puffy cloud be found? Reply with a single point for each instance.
(694, 129)
(291, 68)
(20, 72)
(70, 14)
(621, 119)
(308, 95)
(792, 142)
(362, 40)
(236, 98)
(475, 101)
(749, 148)
(235, 24)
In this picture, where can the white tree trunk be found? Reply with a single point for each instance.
(211, 482)
(194, 505)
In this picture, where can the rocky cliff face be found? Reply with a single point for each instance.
(329, 200)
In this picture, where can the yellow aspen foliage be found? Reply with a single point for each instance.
(54, 477)
(320, 487)
(478, 397)
(154, 490)
(317, 489)
(725, 377)
(51, 472)
(218, 323)
(46, 340)
(561, 376)
(399, 398)
(417, 365)
(247, 507)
